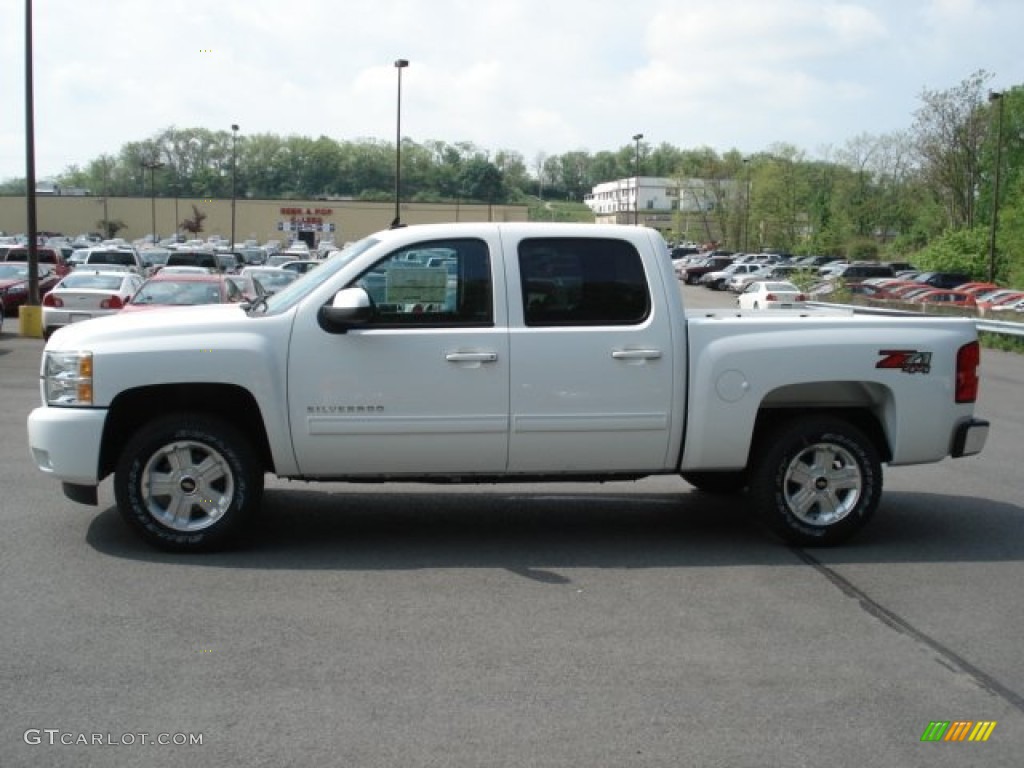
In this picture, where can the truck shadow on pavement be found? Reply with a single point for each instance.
(536, 533)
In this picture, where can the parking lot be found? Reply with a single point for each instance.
(620, 624)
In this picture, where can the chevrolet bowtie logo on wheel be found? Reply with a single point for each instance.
(958, 730)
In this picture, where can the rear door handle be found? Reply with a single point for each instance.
(637, 354)
(471, 357)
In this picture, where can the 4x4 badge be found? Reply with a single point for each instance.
(906, 360)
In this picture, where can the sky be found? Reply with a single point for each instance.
(531, 76)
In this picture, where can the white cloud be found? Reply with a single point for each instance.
(529, 75)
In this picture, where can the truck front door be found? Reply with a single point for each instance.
(422, 389)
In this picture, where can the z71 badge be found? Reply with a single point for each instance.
(906, 360)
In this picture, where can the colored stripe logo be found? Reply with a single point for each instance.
(959, 730)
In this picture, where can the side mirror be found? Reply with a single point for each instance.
(351, 308)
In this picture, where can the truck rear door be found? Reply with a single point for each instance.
(591, 350)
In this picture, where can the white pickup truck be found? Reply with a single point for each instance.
(498, 352)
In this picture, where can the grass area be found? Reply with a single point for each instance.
(1002, 341)
(556, 210)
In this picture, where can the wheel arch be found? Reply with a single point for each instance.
(134, 407)
(770, 418)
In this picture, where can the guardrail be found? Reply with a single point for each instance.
(981, 323)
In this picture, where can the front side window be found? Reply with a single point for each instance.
(442, 282)
(582, 281)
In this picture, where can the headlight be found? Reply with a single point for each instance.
(67, 378)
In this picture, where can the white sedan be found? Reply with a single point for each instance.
(85, 294)
(771, 294)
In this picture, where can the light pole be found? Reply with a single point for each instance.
(636, 184)
(746, 212)
(234, 180)
(400, 64)
(152, 165)
(995, 96)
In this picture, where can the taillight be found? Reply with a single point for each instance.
(771, 297)
(968, 358)
(114, 302)
(801, 297)
(49, 300)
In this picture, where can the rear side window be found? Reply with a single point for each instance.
(582, 281)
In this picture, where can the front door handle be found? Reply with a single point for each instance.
(637, 354)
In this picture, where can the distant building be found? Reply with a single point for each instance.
(676, 205)
(53, 189)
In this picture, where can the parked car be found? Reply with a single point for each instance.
(85, 294)
(861, 271)
(14, 284)
(991, 299)
(692, 273)
(277, 259)
(54, 257)
(716, 280)
(230, 262)
(1013, 305)
(183, 290)
(98, 258)
(193, 258)
(738, 282)
(946, 298)
(977, 289)
(771, 294)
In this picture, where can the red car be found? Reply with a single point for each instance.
(946, 298)
(14, 285)
(184, 290)
(51, 257)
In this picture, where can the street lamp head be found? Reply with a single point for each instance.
(995, 95)
(234, 126)
(638, 136)
(401, 63)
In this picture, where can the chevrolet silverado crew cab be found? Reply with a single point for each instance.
(498, 352)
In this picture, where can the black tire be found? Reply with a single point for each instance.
(816, 481)
(188, 482)
(717, 482)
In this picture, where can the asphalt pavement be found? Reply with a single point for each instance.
(623, 624)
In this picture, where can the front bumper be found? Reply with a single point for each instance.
(969, 438)
(65, 442)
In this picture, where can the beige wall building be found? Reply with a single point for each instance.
(254, 219)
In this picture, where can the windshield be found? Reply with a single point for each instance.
(178, 292)
(309, 282)
(101, 282)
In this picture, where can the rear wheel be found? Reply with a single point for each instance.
(187, 482)
(816, 480)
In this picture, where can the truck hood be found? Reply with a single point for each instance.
(162, 322)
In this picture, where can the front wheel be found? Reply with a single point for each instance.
(816, 481)
(187, 482)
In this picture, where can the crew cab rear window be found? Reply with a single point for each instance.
(436, 283)
(582, 281)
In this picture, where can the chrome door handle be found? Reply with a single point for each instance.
(471, 357)
(636, 354)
